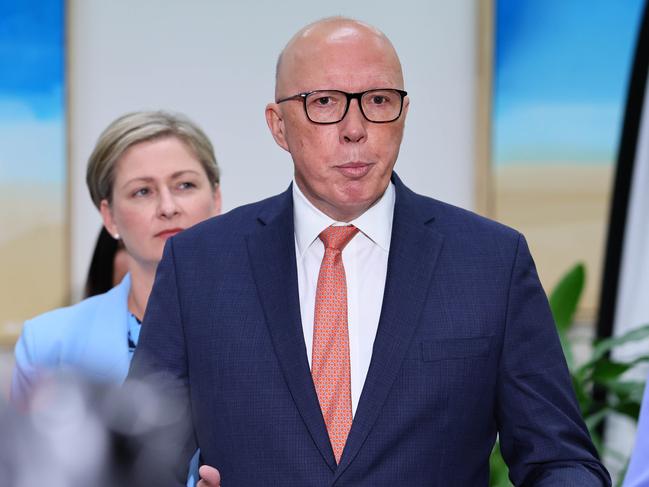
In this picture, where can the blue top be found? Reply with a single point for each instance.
(134, 326)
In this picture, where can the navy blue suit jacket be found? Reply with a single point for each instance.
(466, 348)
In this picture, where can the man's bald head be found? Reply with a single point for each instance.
(312, 39)
(342, 167)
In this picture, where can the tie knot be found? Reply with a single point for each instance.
(337, 237)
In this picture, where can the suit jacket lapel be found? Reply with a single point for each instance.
(414, 248)
(272, 256)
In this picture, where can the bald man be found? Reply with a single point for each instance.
(348, 331)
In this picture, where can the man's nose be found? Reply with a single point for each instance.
(167, 204)
(353, 128)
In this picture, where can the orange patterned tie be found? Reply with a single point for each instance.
(330, 363)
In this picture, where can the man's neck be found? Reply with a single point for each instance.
(343, 215)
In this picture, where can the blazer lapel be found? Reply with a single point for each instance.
(271, 249)
(104, 345)
(414, 248)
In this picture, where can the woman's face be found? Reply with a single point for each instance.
(160, 188)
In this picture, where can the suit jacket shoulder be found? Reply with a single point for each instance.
(462, 230)
(239, 222)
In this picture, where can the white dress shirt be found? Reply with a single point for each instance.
(366, 262)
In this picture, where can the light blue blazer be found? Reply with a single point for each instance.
(89, 338)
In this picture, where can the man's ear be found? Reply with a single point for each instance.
(275, 123)
(107, 217)
(406, 105)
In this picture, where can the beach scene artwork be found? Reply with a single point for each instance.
(33, 229)
(560, 78)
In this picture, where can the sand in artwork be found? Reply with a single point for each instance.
(563, 212)
(33, 263)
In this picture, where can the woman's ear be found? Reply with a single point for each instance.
(107, 217)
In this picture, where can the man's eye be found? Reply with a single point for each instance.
(379, 100)
(323, 100)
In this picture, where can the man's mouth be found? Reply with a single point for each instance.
(355, 169)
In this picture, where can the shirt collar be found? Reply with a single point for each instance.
(375, 222)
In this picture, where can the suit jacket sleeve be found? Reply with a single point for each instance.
(160, 360)
(543, 437)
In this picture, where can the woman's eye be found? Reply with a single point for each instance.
(186, 185)
(141, 192)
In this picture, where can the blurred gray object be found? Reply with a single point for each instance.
(77, 434)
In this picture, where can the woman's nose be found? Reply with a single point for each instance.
(167, 205)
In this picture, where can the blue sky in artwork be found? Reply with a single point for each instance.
(561, 71)
(32, 104)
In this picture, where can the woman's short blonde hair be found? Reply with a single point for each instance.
(136, 127)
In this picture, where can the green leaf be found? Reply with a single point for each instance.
(626, 391)
(602, 347)
(605, 370)
(584, 396)
(498, 471)
(565, 297)
(593, 420)
(629, 408)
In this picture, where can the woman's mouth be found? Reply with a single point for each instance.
(168, 233)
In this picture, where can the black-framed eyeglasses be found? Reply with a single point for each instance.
(330, 106)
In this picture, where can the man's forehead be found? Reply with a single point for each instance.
(325, 40)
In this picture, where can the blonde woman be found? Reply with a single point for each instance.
(151, 175)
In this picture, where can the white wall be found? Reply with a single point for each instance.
(214, 61)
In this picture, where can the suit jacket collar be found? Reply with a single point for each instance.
(271, 249)
(414, 248)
